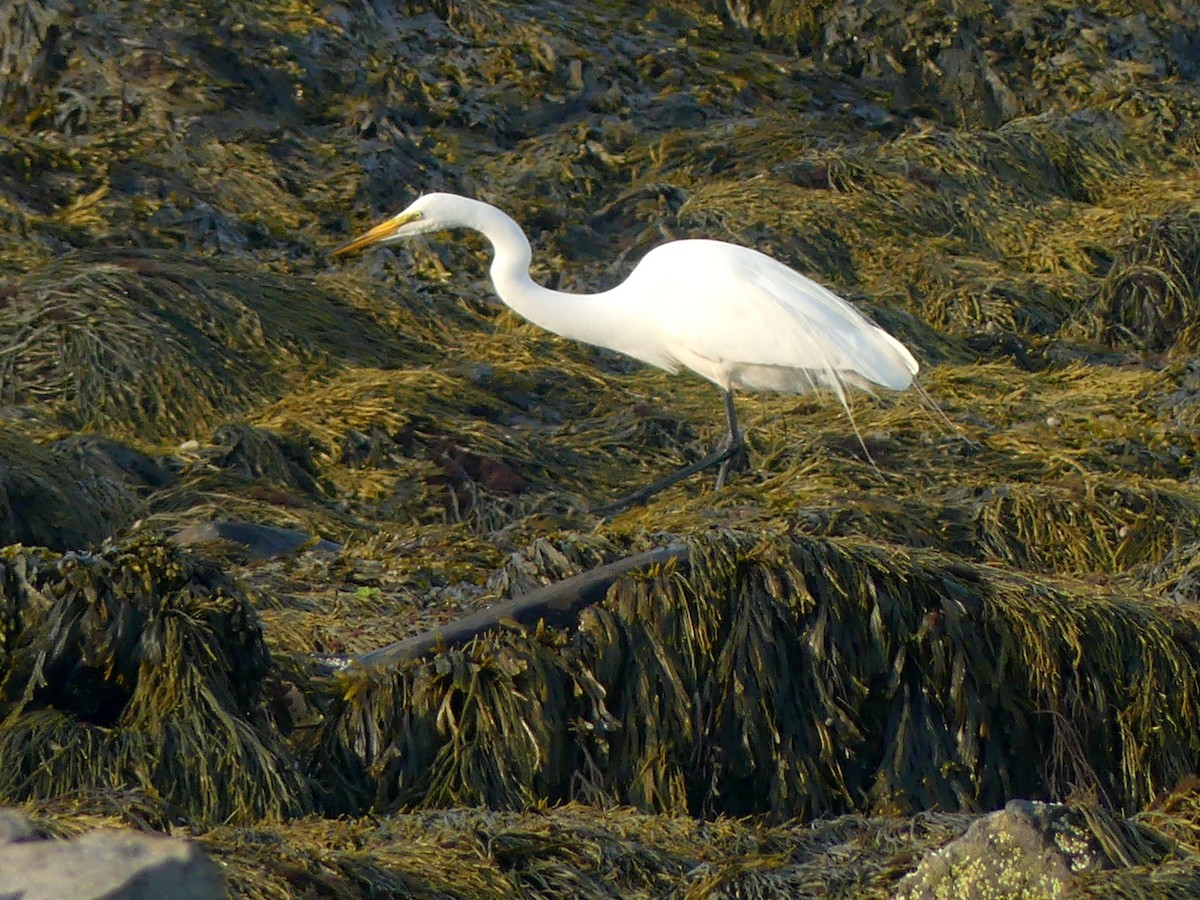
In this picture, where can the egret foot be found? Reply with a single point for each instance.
(737, 459)
(731, 449)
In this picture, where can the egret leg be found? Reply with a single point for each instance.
(726, 451)
(732, 444)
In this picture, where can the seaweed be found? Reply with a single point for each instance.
(159, 346)
(1148, 294)
(892, 626)
(146, 672)
(796, 677)
(48, 499)
(31, 56)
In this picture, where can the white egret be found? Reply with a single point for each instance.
(730, 314)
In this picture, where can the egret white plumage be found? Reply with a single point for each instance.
(731, 314)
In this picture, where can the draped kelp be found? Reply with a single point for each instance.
(139, 667)
(795, 676)
(886, 625)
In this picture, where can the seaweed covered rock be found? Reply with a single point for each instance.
(62, 497)
(162, 345)
(981, 62)
(1075, 525)
(577, 850)
(1009, 188)
(139, 666)
(22, 572)
(1149, 297)
(574, 850)
(793, 676)
(30, 34)
(255, 453)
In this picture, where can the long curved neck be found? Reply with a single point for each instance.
(591, 318)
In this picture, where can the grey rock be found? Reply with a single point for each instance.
(15, 826)
(1026, 850)
(114, 460)
(260, 541)
(115, 865)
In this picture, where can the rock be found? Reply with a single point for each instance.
(15, 826)
(114, 460)
(116, 865)
(260, 541)
(1024, 850)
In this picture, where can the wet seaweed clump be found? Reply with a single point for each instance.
(21, 572)
(29, 35)
(163, 345)
(255, 453)
(977, 62)
(795, 676)
(59, 497)
(139, 666)
(1151, 295)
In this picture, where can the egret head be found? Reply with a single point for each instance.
(432, 212)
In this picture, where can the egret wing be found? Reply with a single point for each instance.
(740, 307)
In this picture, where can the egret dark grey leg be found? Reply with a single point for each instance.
(728, 449)
(733, 440)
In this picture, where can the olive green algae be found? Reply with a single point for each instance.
(993, 608)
